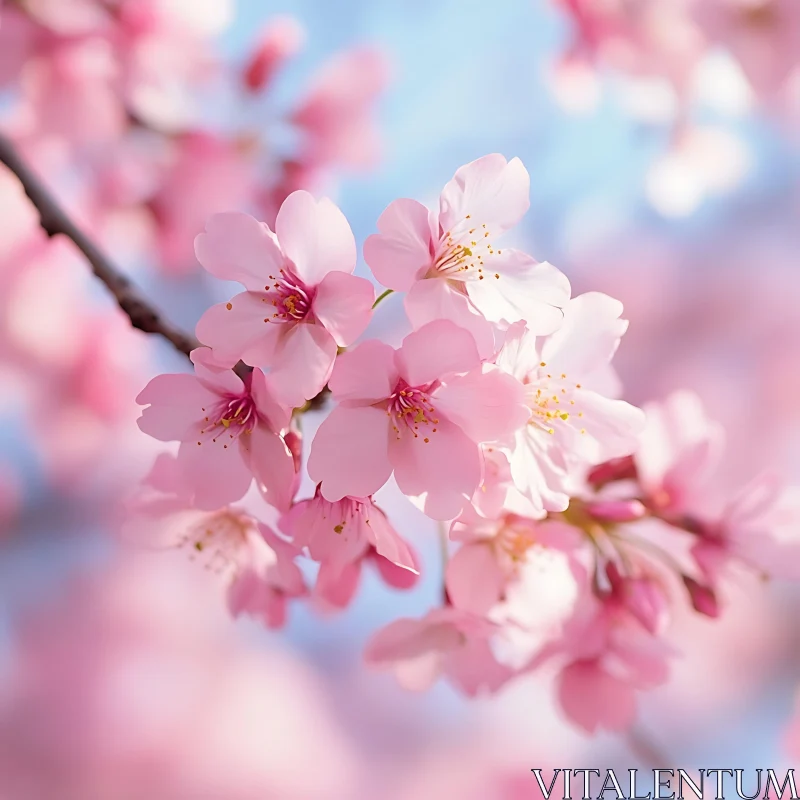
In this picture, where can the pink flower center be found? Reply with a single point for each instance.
(411, 410)
(289, 296)
(551, 399)
(512, 543)
(219, 541)
(462, 254)
(233, 416)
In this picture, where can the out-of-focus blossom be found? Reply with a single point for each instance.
(281, 39)
(759, 528)
(230, 432)
(446, 642)
(256, 566)
(422, 412)
(154, 696)
(614, 651)
(302, 300)
(679, 449)
(336, 117)
(203, 174)
(762, 35)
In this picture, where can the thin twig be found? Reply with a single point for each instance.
(55, 221)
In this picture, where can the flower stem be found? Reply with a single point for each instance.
(381, 296)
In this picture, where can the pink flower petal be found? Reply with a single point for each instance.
(394, 575)
(343, 304)
(216, 377)
(487, 404)
(444, 471)
(240, 330)
(277, 415)
(433, 299)
(349, 454)
(401, 253)
(387, 541)
(316, 236)
(588, 337)
(366, 373)
(338, 586)
(474, 579)
(435, 350)
(611, 428)
(272, 465)
(525, 290)
(237, 247)
(492, 191)
(175, 407)
(594, 699)
(303, 361)
(217, 474)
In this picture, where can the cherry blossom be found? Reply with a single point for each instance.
(420, 412)
(301, 299)
(758, 528)
(256, 566)
(230, 432)
(572, 423)
(614, 652)
(450, 263)
(679, 450)
(344, 535)
(446, 642)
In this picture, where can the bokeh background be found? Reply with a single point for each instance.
(121, 675)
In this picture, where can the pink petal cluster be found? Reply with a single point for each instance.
(421, 413)
(451, 263)
(230, 432)
(345, 535)
(301, 300)
(256, 566)
(575, 521)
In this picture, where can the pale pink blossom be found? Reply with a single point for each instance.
(572, 422)
(202, 174)
(230, 432)
(164, 55)
(420, 412)
(493, 554)
(302, 300)
(759, 528)
(679, 450)
(449, 260)
(447, 643)
(640, 38)
(614, 650)
(70, 91)
(336, 117)
(255, 565)
(342, 534)
(497, 495)
(156, 695)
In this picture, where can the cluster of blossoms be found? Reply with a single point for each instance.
(108, 101)
(575, 520)
(669, 39)
(115, 93)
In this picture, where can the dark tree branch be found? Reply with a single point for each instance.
(54, 222)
